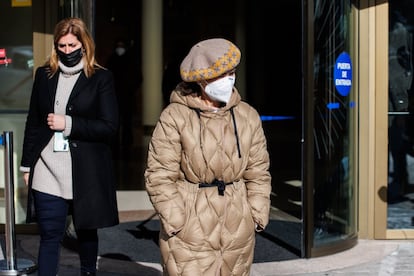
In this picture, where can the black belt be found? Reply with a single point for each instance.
(221, 186)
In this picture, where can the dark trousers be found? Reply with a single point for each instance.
(51, 214)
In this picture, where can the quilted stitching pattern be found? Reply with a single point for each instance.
(204, 233)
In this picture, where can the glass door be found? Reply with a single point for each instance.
(334, 118)
(311, 130)
(400, 195)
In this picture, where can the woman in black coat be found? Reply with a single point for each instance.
(67, 160)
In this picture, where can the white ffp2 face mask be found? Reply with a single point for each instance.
(221, 89)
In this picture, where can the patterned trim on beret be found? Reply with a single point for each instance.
(223, 63)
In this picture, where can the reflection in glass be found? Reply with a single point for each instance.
(16, 74)
(334, 197)
(400, 196)
(16, 70)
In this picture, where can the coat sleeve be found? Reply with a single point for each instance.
(162, 172)
(257, 175)
(34, 121)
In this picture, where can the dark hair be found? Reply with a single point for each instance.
(187, 88)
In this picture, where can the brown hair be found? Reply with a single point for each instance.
(78, 28)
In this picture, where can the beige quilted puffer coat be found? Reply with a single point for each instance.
(202, 232)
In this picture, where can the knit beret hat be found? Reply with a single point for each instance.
(209, 59)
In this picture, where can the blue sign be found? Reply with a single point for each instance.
(275, 118)
(343, 74)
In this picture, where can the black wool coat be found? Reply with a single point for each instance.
(94, 111)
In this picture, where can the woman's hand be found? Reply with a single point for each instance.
(56, 121)
(26, 178)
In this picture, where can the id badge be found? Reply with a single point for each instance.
(60, 142)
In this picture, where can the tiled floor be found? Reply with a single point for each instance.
(401, 213)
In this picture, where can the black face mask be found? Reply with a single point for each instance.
(70, 59)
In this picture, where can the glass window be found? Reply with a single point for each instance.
(16, 57)
(16, 78)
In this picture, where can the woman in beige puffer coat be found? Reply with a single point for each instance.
(207, 171)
